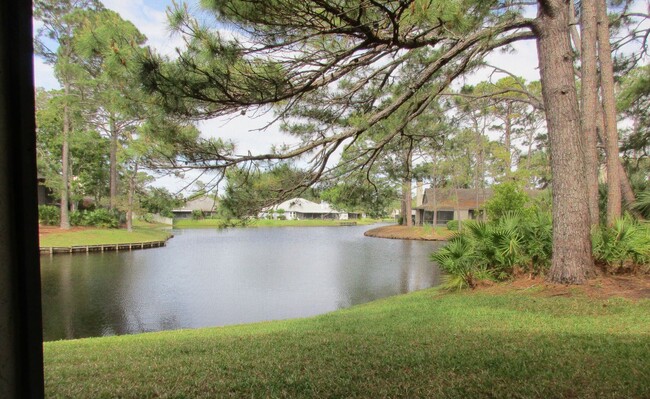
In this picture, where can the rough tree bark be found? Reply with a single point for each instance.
(589, 100)
(406, 202)
(626, 187)
(65, 162)
(406, 188)
(609, 107)
(572, 260)
(129, 212)
(113, 163)
(507, 139)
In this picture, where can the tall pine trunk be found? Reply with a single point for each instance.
(65, 161)
(589, 97)
(626, 188)
(406, 202)
(572, 260)
(507, 139)
(609, 107)
(131, 198)
(406, 189)
(113, 163)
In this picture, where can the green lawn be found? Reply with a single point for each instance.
(217, 223)
(427, 344)
(140, 233)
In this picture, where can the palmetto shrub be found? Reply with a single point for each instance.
(623, 247)
(497, 249)
(642, 203)
(522, 243)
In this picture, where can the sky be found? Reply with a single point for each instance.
(150, 18)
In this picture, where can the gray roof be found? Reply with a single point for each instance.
(204, 203)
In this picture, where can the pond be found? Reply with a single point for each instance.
(220, 277)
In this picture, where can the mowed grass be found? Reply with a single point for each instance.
(218, 223)
(103, 236)
(423, 345)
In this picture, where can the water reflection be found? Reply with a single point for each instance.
(212, 278)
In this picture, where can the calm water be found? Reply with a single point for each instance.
(215, 278)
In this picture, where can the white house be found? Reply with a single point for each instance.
(300, 208)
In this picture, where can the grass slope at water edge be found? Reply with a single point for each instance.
(428, 344)
(99, 236)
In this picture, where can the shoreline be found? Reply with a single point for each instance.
(420, 233)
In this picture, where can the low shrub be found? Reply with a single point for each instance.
(77, 218)
(99, 217)
(197, 214)
(497, 249)
(623, 247)
(522, 243)
(452, 225)
(508, 197)
(49, 215)
(642, 203)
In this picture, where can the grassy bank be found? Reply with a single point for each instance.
(142, 232)
(217, 223)
(517, 343)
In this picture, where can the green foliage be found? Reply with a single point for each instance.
(248, 191)
(498, 249)
(99, 217)
(197, 214)
(160, 200)
(452, 225)
(642, 203)
(623, 247)
(458, 259)
(76, 218)
(358, 194)
(49, 215)
(508, 197)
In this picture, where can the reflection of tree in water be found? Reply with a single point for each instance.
(81, 296)
(367, 274)
(112, 294)
(405, 262)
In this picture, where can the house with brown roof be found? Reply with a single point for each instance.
(451, 204)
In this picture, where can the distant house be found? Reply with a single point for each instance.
(451, 204)
(206, 205)
(301, 209)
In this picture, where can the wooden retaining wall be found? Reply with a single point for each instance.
(347, 223)
(102, 247)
